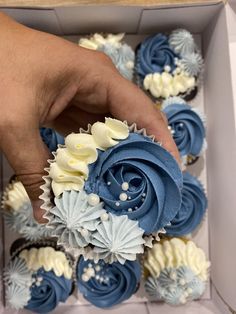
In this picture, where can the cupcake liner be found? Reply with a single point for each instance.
(48, 204)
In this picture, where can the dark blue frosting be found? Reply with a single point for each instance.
(193, 207)
(52, 290)
(154, 54)
(154, 179)
(119, 282)
(51, 138)
(189, 131)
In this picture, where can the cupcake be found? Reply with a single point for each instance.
(169, 65)
(51, 138)
(176, 271)
(38, 277)
(105, 285)
(18, 213)
(113, 188)
(192, 210)
(120, 53)
(187, 127)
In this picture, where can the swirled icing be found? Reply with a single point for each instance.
(73, 219)
(153, 177)
(118, 239)
(165, 84)
(106, 285)
(188, 128)
(175, 253)
(47, 258)
(182, 42)
(70, 169)
(154, 54)
(16, 197)
(192, 210)
(97, 40)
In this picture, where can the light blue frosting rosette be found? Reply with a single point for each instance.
(192, 210)
(51, 138)
(152, 176)
(154, 54)
(187, 128)
(105, 285)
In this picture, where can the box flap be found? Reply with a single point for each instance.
(145, 3)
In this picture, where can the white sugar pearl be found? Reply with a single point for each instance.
(97, 268)
(130, 65)
(104, 217)
(108, 183)
(90, 272)
(173, 276)
(123, 196)
(84, 232)
(40, 279)
(85, 277)
(167, 68)
(177, 70)
(97, 277)
(93, 199)
(129, 197)
(182, 282)
(130, 209)
(125, 186)
(117, 204)
(189, 290)
(181, 124)
(38, 283)
(90, 265)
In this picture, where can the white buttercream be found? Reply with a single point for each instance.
(16, 196)
(97, 40)
(49, 259)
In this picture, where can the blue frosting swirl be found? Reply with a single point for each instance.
(111, 284)
(154, 54)
(153, 176)
(51, 138)
(51, 291)
(192, 210)
(189, 130)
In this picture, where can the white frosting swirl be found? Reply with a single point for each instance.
(49, 259)
(97, 40)
(174, 254)
(165, 84)
(15, 196)
(70, 169)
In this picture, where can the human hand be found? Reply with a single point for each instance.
(48, 81)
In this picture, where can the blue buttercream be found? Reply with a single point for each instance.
(153, 176)
(118, 283)
(189, 130)
(192, 210)
(154, 54)
(52, 290)
(51, 138)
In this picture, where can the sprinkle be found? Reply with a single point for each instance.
(182, 282)
(97, 277)
(85, 277)
(84, 232)
(93, 199)
(37, 283)
(173, 276)
(108, 183)
(144, 194)
(129, 197)
(104, 217)
(123, 197)
(142, 199)
(130, 65)
(130, 209)
(189, 290)
(181, 124)
(117, 203)
(90, 265)
(125, 186)
(90, 272)
(40, 279)
(167, 68)
(97, 268)
(136, 207)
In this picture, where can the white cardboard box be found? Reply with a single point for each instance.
(215, 25)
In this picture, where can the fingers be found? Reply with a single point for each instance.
(128, 102)
(28, 156)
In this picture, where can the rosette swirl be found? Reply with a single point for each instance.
(188, 128)
(193, 207)
(154, 54)
(52, 290)
(51, 138)
(140, 179)
(105, 285)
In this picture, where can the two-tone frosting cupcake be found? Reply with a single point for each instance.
(169, 65)
(105, 285)
(176, 271)
(38, 277)
(122, 55)
(18, 213)
(113, 188)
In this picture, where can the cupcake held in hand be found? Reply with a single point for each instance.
(112, 187)
(192, 210)
(18, 213)
(38, 278)
(177, 271)
(187, 128)
(120, 53)
(105, 285)
(169, 65)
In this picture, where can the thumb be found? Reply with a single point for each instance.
(27, 155)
